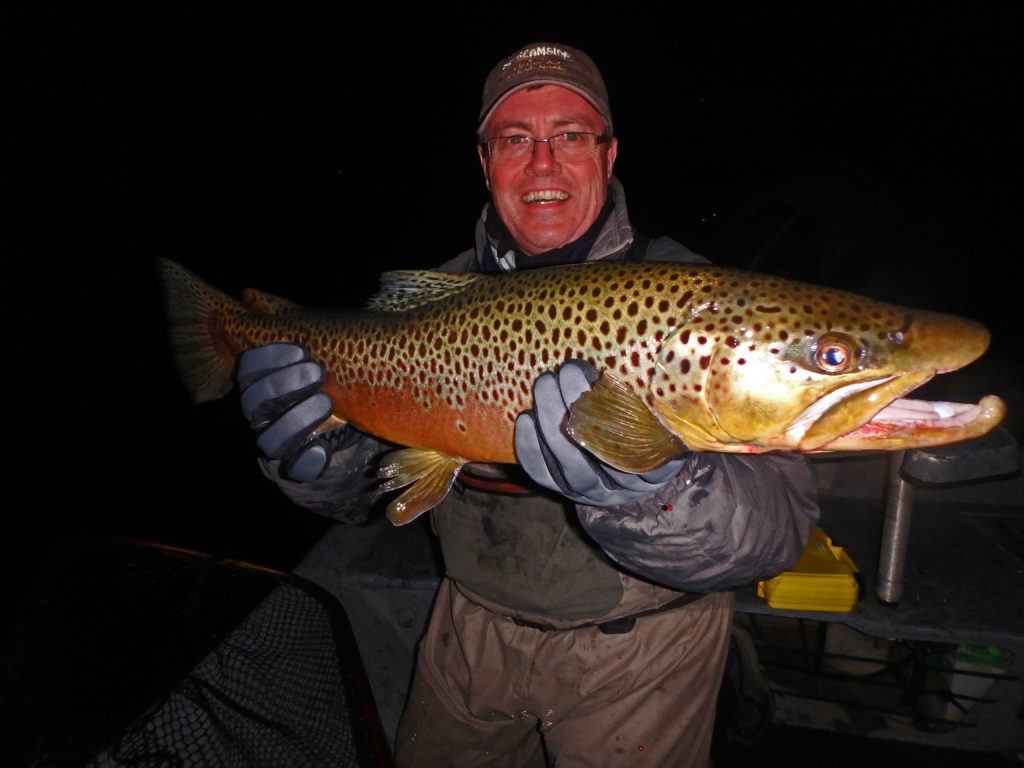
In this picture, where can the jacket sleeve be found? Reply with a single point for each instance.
(724, 521)
(347, 489)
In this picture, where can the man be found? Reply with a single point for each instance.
(585, 615)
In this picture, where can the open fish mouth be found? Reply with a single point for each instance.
(873, 414)
(908, 423)
(929, 413)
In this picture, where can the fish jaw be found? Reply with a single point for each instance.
(906, 424)
(848, 408)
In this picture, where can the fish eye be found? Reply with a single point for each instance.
(836, 353)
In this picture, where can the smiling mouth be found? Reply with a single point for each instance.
(545, 196)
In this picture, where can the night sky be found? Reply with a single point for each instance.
(303, 152)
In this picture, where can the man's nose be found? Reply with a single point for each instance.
(542, 158)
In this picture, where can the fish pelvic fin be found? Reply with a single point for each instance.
(615, 425)
(405, 289)
(430, 475)
(203, 354)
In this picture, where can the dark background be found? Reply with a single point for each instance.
(302, 150)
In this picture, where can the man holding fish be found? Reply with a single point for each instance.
(585, 613)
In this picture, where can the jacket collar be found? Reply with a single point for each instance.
(613, 239)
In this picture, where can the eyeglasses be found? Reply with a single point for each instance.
(573, 147)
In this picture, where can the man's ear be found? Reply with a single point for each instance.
(483, 164)
(613, 152)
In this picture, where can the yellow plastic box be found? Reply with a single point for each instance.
(823, 579)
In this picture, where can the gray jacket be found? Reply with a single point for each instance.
(726, 520)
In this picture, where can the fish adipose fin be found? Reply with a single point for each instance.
(259, 301)
(405, 289)
(430, 473)
(613, 423)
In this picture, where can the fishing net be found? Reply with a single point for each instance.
(145, 656)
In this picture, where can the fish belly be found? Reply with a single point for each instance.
(475, 432)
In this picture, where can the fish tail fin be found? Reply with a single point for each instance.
(202, 350)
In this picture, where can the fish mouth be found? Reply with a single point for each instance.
(542, 196)
(905, 424)
(874, 415)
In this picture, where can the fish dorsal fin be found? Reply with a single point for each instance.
(430, 473)
(258, 301)
(408, 288)
(613, 423)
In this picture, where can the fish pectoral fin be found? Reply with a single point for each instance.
(430, 474)
(615, 425)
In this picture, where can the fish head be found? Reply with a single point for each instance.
(777, 364)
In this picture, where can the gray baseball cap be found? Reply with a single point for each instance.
(545, 64)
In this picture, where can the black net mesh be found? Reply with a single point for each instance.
(142, 655)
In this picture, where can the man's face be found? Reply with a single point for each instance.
(545, 203)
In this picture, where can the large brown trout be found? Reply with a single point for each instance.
(693, 357)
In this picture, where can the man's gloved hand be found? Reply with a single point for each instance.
(281, 399)
(556, 462)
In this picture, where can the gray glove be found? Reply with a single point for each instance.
(557, 463)
(281, 399)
